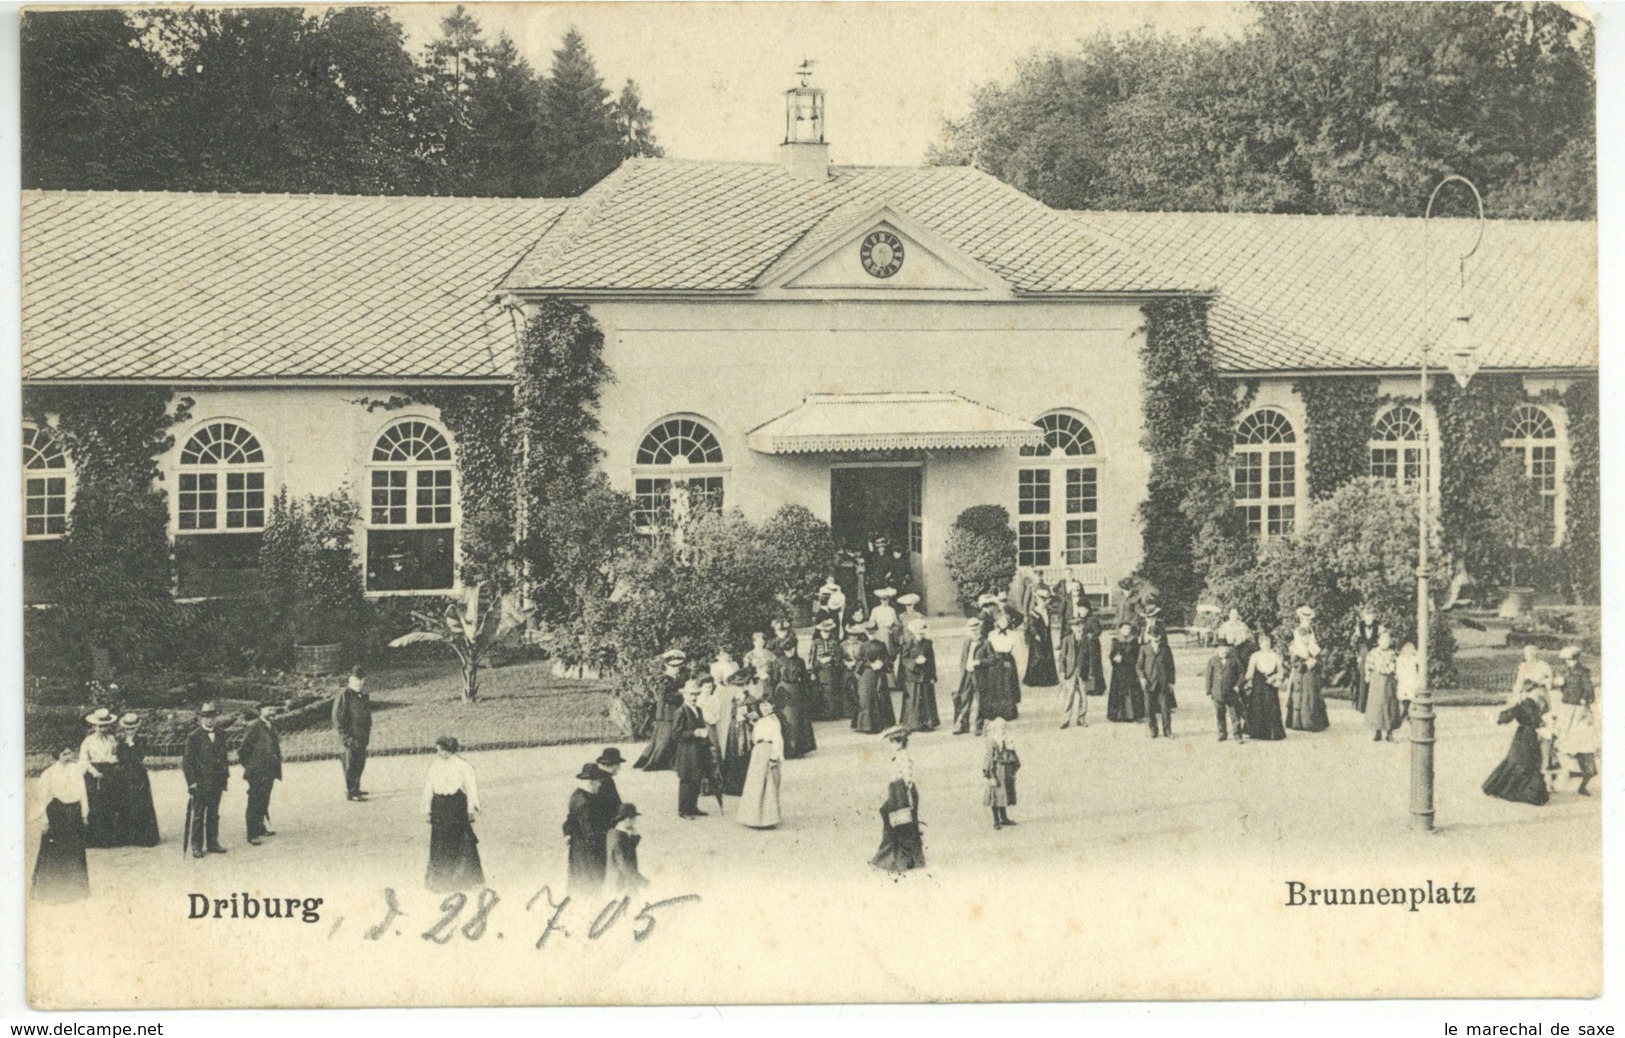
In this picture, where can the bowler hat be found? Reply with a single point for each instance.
(626, 810)
(590, 771)
(611, 755)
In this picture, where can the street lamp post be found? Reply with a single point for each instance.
(1460, 357)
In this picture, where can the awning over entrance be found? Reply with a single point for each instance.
(831, 422)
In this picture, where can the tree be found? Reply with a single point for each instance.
(583, 138)
(1345, 108)
(1518, 526)
(636, 125)
(469, 630)
(803, 552)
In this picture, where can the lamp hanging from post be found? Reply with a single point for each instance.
(1459, 351)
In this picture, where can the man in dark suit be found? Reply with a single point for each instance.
(352, 719)
(1156, 669)
(261, 758)
(606, 803)
(693, 751)
(204, 763)
(1223, 677)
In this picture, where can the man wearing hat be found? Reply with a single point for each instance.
(967, 701)
(1156, 670)
(692, 740)
(586, 840)
(824, 657)
(352, 720)
(662, 748)
(607, 801)
(204, 763)
(98, 755)
(261, 757)
(621, 852)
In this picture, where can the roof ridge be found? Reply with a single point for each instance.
(1321, 217)
(335, 196)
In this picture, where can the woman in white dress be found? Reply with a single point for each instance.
(451, 799)
(1305, 706)
(1266, 673)
(759, 802)
(60, 873)
(1382, 688)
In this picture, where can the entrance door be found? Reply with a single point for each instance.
(869, 502)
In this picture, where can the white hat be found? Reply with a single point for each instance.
(917, 625)
(101, 716)
(1569, 652)
(674, 656)
(983, 600)
(1305, 613)
(909, 599)
(885, 592)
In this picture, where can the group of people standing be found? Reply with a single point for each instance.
(1557, 735)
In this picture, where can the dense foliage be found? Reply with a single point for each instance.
(1188, 522)
(479, 418)
(559, 374)
(287, 99)
(1582, 539)
(1338, 413)
(1357, 548)
(1312, 108)
(709, 585)
(115, 581)
(310, 578)
(980, 553)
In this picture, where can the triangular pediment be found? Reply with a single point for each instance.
(881, 251)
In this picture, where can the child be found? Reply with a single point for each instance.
(621, 852)
(999, 768)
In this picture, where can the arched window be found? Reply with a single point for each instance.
(222, 481)
(411, 513)
(46, 478)
(1057, 496)
(678, 468)
(1265, 474)
(219, 511)
(1530, 435)
(1396, 446)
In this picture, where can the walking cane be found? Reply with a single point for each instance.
(186, 834)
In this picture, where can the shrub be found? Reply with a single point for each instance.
(1357, 548)
(802, 549)
(981, 553)
(312, 580)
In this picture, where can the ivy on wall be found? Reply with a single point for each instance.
(1470, 423)
(1583, 535)
(115, 580)
(1338, 414)
(480, 418)
(1188, 521)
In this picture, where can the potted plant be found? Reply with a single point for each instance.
(310, 566)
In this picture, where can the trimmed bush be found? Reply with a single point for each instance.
(981, 553)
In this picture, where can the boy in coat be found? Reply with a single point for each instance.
(204, 763)
(261, 758)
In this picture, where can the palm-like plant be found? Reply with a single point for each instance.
(469, 629)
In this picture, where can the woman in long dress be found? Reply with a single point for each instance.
(1040, 671)
(60, 873)
(661, 753)
(138, 819)
(1363, 640)
(999, 766)
(1126, 700)
(789, 699)
(736, 750)
(919, 671)
(759, 800)
(875, 713)
(825, 691)
(1263, 679)
(451, 799)
(996, 669)
(1382, 688)
(901, 846)
(1305, 706)
(99, 756)
(1520, 776)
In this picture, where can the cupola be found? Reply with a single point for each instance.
(804, 152)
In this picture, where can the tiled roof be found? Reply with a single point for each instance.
(1351, 292)
(670, 225)
(890, 421)
(198, 286)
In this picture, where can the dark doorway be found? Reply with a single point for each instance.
(865, 503)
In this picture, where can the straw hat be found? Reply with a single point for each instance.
(885, 593)
(826, 625)
(1569, 652)
(129, 722)
(674, 656)
(101, 717)
(909, 599)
